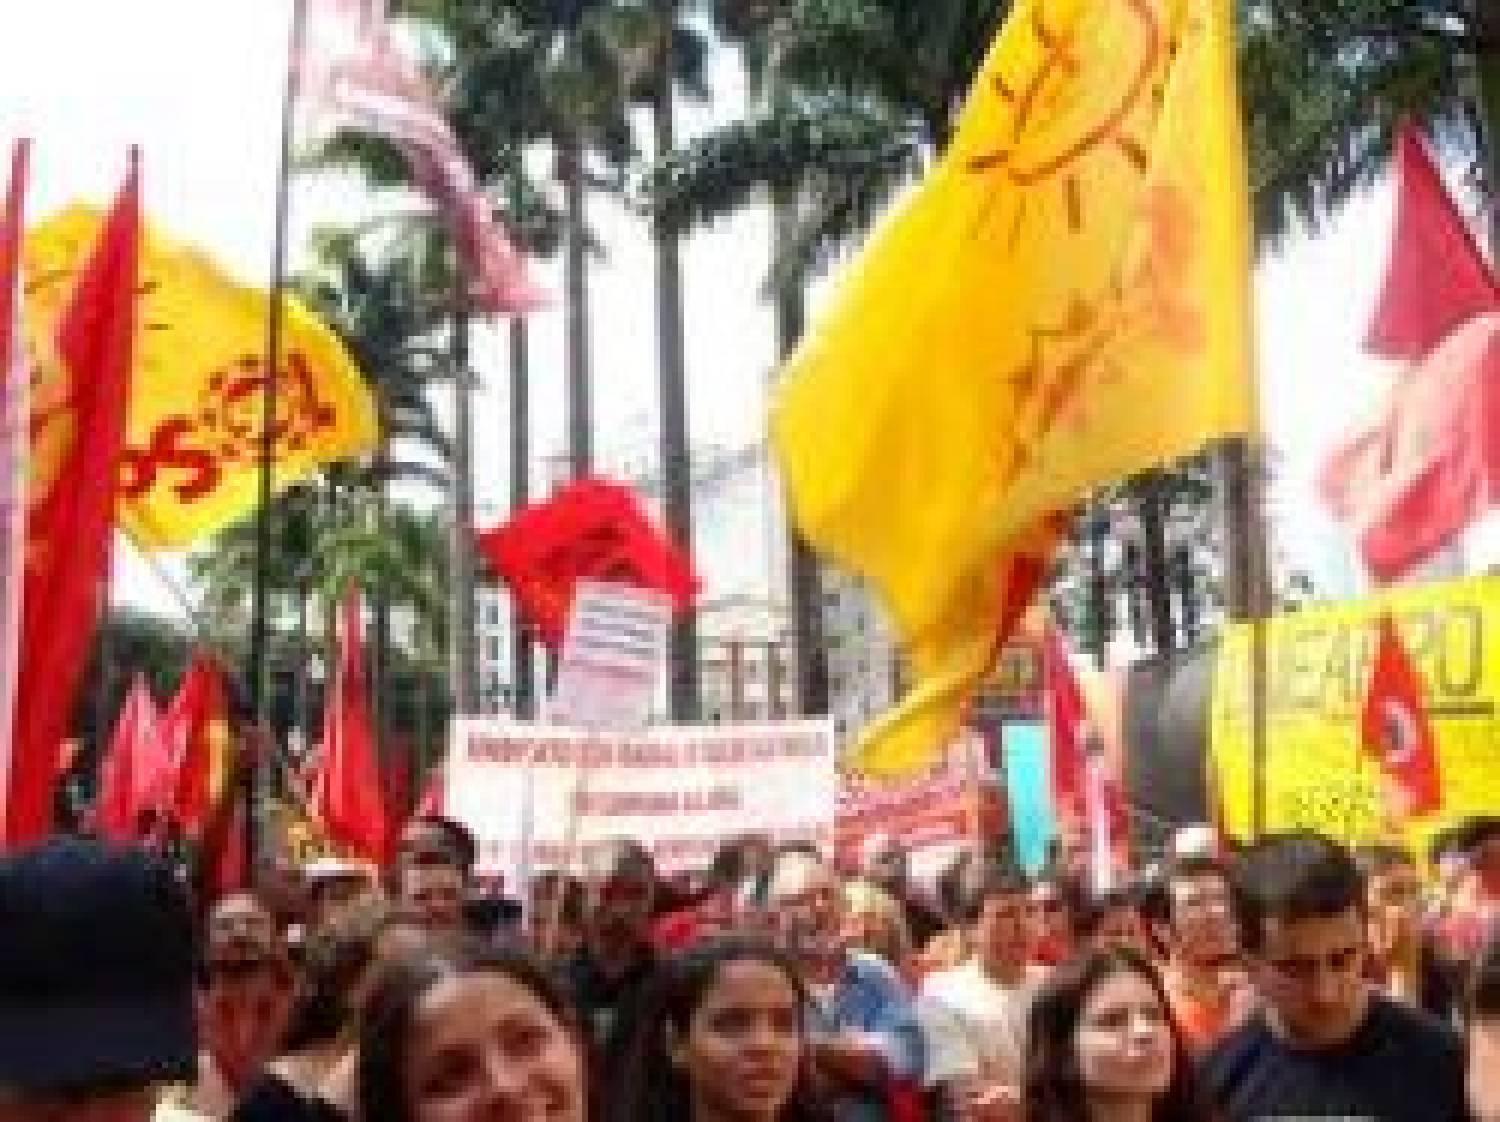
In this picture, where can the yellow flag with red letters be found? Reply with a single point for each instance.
(1064, 302)
(193, 437)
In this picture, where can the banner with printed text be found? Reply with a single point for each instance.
(539, 796)
(1319, 663)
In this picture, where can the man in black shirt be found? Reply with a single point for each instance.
(1324, 1044)
(608, 975)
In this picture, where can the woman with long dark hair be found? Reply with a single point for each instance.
(1102, 1046)
(721, 1039)
(469, 1033)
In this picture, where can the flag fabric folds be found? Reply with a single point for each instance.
(1395, 729)
(200, 743)
(347, 797)
(1067, 728)
(1427, 464)
(1436, 278)
(81, 384)
(354, 74)
(1064, 302)
(134, 769)
(15, 374)
(191, 461)
(590, 530)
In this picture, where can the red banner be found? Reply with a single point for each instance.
(80, 393)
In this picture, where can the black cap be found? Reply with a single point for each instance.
(96, 969)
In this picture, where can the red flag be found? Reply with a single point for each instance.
(1430, 463)
(134, 768)
(590, 530)
(200, 744)
(1067, 728)
(1394, 727)
(1437, 278)
(223, 867)
(346, 795)
(14, 376)
(77, 430)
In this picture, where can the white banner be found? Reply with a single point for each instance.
(679, 789)
(612, 657)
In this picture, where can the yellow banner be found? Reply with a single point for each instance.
(1063, 303)
(192, 445)
(1319, 667)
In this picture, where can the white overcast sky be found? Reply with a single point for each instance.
(197, 84)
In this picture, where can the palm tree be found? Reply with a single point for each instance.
(1326, 81)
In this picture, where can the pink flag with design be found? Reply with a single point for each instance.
(352, 73)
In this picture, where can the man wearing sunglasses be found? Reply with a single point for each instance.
(1324, 1043)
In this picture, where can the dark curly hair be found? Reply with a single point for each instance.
(1054, 1088)
(656, 1089)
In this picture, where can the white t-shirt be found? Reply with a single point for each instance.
(974, 1027)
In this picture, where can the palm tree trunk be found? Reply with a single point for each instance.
(804, 573)
(580, 408)
(463, 669)
(676, 455)
(523, 667)
(380, 615)
(1152, 511)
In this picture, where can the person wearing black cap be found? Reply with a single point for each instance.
(96, 984)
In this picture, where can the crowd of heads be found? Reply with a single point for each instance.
(772, 986)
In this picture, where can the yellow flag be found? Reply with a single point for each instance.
(192, 445)
(1063, 303)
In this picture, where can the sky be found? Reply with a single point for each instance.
(197, 83)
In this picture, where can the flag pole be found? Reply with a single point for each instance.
(1248, 597)
(259, 670)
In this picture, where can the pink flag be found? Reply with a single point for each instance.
(353, 74)
(14, 380)
(135, 767)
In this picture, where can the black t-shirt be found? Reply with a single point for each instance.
(273, 1099)
(609, 1006)
(1399, 1066)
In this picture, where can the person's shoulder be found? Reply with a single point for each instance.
(1413, 1031)
(872, 970)
(1242, 1048)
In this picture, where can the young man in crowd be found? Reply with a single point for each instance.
(1195, 926)
(1054, 904)
(1324, 1043)
(1482, 1017)
(96, 984)
(609, 974)
(432, 894)
(973, 1016)
(1404, 960)
(245, 993)
(867, 1046)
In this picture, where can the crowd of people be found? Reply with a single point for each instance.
(1290, 978)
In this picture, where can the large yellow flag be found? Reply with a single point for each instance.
(192, 444)
(1064, 302)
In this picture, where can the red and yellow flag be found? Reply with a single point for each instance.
(1063, 303)
(199, 739)
(190, 465)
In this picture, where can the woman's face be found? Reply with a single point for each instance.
(743, 1048)
(484, 1049)
(1123, 1040)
